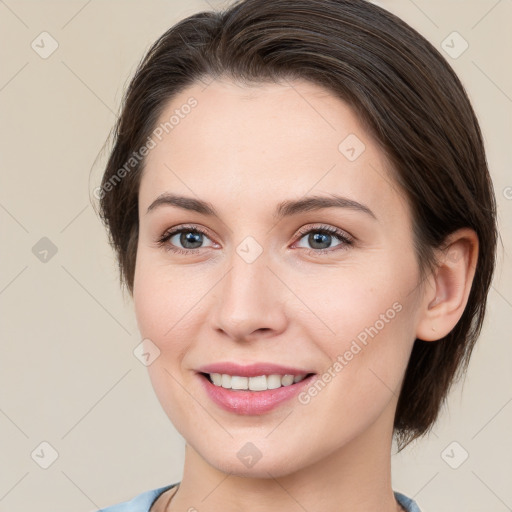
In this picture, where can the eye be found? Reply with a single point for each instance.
(320, 239)
(190, 238)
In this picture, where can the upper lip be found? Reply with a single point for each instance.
(251, 370)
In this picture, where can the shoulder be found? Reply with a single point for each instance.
(140, 503)
(409, 504)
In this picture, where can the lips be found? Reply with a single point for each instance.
(248, 402)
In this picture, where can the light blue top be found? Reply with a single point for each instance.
(144, 501)
(141, 502)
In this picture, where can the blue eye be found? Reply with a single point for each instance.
(323, 235)
(192, 239)
(185, 236)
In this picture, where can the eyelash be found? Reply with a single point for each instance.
(346, 239)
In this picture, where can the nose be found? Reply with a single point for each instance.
(250, 301)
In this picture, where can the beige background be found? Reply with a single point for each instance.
(68, 374)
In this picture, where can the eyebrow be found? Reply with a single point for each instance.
(284, 209)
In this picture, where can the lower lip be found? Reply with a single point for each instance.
(252, 402)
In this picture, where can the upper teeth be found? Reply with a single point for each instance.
(259, 383)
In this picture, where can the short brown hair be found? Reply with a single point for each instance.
(404, 92)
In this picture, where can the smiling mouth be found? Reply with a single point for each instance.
(257, 383)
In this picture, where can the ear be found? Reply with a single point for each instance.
(447, 291)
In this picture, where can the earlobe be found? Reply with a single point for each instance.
(444, 302)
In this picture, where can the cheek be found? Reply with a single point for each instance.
(352, 302)
(161, 317)
(161, 297)
(149, 309)
(155, 309)
(168, 302)
(370, 315)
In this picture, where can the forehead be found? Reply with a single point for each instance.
(263, 142)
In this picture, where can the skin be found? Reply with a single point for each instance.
(245, 149)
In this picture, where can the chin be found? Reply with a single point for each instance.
(246, 459)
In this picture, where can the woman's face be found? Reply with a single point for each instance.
(264, 283)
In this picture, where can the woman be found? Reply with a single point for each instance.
(300, 205)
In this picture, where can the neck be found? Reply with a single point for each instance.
(356, 478)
